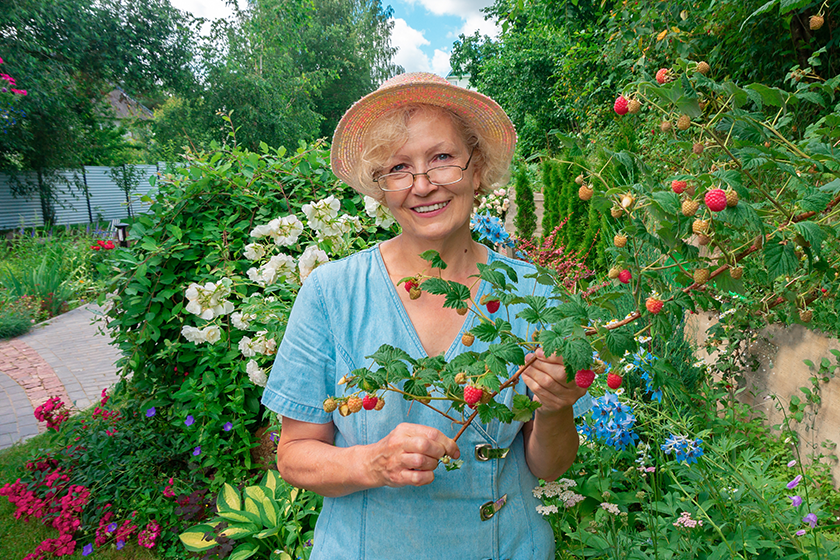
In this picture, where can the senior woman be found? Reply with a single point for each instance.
(426, 149)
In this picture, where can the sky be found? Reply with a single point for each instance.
(424, 30)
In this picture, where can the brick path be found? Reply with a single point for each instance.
(65, 357)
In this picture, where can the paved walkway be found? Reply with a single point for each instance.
(66, 356)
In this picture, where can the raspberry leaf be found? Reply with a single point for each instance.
(780, 257)
(509, 351)
(577, 353)
(436, 286)
(523, 408)
(434, 259)
(619, 341)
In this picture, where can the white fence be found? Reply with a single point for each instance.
(82, 196)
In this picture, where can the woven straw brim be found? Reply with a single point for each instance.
(485, 115)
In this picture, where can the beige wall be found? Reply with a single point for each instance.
(781, 372)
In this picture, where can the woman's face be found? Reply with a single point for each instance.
(427, 211)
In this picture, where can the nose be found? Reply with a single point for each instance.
(422, 186)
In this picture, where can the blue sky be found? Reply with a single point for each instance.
(424, 30)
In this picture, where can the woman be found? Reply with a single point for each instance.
(426, 149)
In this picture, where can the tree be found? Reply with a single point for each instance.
(526, 211)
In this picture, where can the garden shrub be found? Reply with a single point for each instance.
(16, 317)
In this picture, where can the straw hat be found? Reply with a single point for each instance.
(488, 119)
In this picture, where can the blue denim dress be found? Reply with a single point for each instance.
(345, 311)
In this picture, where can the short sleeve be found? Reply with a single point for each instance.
(304, 368)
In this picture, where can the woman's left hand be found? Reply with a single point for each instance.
(547, 379)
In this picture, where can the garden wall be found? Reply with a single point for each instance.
(781, 372)
(83, 196)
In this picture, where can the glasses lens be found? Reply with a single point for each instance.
(395, 181)
(445, 175)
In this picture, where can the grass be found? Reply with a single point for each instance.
(19, 538)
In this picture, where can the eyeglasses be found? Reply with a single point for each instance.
(439, 176)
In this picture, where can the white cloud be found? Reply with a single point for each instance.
(408, 41)
(440, 62)
(209, 9)
(468, 10)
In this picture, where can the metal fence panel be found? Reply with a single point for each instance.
(105, 200)
(18, 211)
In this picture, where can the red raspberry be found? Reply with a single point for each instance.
(584, 378)
(654, 305)
(369, 402)
(492, 306)
(662, 75)
(472, 395)
(679, 186)
(614, 381)
(410, 284)
(624, 276)
(716, 200)
(620, 106)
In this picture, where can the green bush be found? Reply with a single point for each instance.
(16, 318)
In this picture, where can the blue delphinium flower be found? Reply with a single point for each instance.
(492, 229)
(613, 422)
(643, 362)
(683, 448)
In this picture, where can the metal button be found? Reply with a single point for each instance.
(484, 452)
(489, 509)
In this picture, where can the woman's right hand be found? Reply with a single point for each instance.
(409, 455)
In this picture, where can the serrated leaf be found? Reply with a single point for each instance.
(434, 259)
(769, 95)
(193, 538)
(812, 233)
(550, 341)
(485, 331)
(619, 341)
(786, 6)
(508, 351)
(577, 353)
(815, 201)
(668, 202)
(811, 96)
(780, 258)
(436, 286)
(832, 187)
(509, 270)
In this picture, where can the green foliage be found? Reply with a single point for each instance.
(551, 197)
(526, 212)
(16, 318)
(270, 519)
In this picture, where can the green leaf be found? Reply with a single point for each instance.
(270, 512)
(577, 353)
(485, 331)
(523, 408)
(780, 258)
(239, 531)
(241, 517)
(434, 259)
(812, 233)
(786, 6)
(770, 96)
(815, 201)
(193, 538)
(243, 551)
(508, 351)
(435, 286)
(228, 499)
(619, 341)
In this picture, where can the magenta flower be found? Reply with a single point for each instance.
(810, 519)
(792, 463)
(197, 451)
(793, 483)
(797, 500)
(150, 412)
(227, 427)
(800, 532)
(189, 421)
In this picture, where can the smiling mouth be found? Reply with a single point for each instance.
(430, 208)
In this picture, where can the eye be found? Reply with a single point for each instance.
(397, 168)
(442, 158)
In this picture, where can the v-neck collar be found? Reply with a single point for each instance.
(403, 314)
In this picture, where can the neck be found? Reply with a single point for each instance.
(459, 252)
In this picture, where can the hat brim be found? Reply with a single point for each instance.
(488, 119)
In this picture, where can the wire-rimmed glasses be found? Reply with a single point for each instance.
(440, 176)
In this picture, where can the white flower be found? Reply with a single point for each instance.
(310, 259)
(192, 334)
(246, 346)
(320, 213)
(254, 251)
(279, 267)
(242, 320)
(211, 334)
(263, 230)
(256, 374)
(379, 212)
(546, 510)
(286, 230)
(209, 301)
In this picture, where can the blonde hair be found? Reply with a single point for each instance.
(388, 133)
